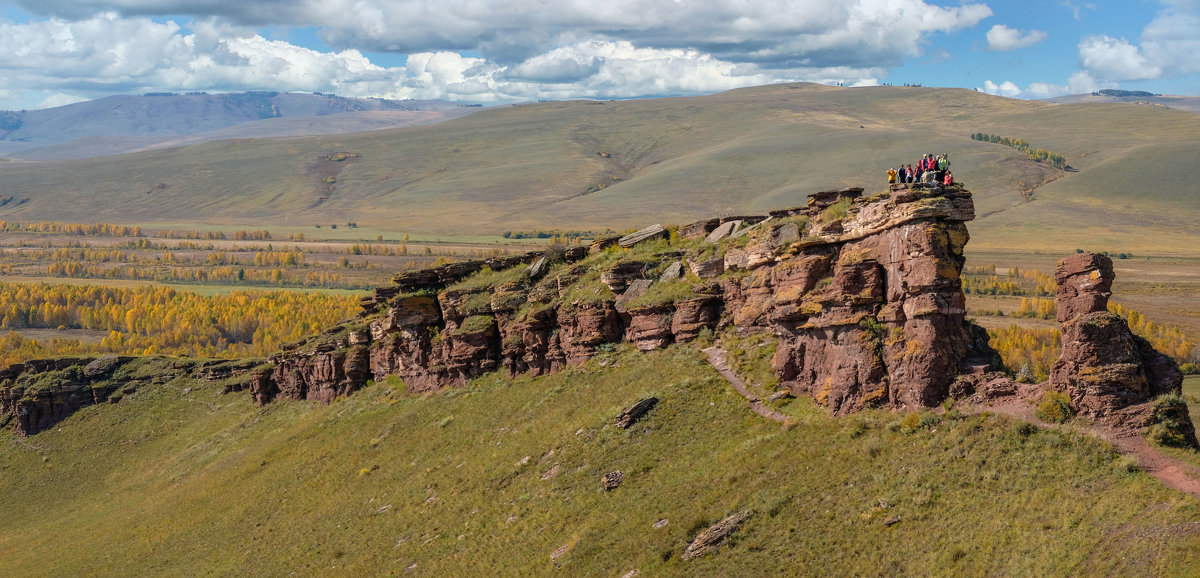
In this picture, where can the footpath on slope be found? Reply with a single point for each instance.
(717, 357)
(1172, 472)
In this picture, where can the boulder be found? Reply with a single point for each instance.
(672, 272)
(652, 232)
(711, 538)
(724, 230)
(633, 413)
(619, 276)
(537, 268)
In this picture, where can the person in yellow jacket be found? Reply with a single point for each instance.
(891, 173)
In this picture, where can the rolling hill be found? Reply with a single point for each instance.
(122, 124)
(592, 164)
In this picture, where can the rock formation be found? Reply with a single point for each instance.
(37, 394)
(863, 294)
(1104, 367)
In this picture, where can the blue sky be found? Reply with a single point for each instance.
(54, 52)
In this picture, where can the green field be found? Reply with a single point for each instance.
(495, 477)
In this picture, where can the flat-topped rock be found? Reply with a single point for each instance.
(723, 230)
(652, 232)
(672, 272)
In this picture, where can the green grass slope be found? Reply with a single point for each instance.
(574, 165)
(494, 478)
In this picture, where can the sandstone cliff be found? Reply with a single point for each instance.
(863, 294)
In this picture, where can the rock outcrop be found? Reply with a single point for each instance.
(37, 394)
(863, 294)
(1104, 367)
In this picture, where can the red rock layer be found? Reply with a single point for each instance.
(1103, 367)
(867, 306)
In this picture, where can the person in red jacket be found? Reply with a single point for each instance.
(949, 179)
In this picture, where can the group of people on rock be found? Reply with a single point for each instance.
(934, 169)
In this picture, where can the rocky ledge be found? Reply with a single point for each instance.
(863, 294)
(37, 394)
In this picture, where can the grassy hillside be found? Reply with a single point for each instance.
(503, 478)
(581, 165)
(125, 123)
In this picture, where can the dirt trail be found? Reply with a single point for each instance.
(1172, 472)
(716, 357)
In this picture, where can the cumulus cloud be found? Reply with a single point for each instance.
(59, 99)
(1078, 83)
(1003, 38)
(1006, 88)
(773, 34)
(1167, 47)
(1115, 59)
(519, 49)
(108, 53)
(1172, 39)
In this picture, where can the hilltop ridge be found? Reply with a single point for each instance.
(122, 124)
(597, 165)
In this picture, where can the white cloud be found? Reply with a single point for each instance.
(775, 34)
(1002, 38)
(59, 99)
(1078, 83)
(1077, 9)
(524, 50)
(1081, 82)
(1006, 88)
(1115, 59)
(1172, 39)
(1045, 90)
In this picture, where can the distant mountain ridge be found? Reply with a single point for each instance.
(127, 123)
(1178, 102)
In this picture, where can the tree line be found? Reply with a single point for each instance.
(1038, 154)
(984, 281)
(162, 320)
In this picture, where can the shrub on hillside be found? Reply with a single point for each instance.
(1055, 407)
(1172, 425)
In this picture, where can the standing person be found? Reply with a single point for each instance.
(943, 165)
(949, 179)
(911, 175)
(891, 173)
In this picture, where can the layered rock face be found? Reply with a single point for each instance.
(863, 294)
(37, 394)
(1104, 367)
(872, 313)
